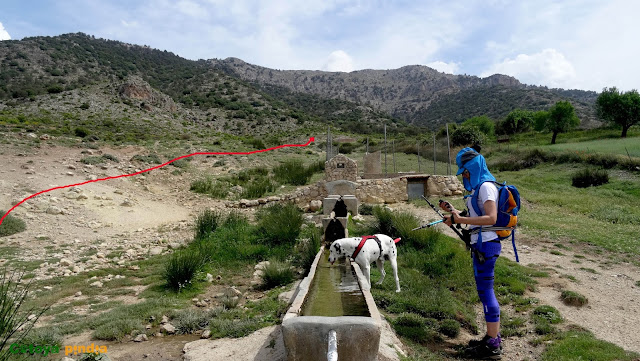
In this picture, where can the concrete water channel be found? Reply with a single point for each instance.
(333, 315)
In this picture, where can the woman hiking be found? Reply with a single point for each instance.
(477, 178)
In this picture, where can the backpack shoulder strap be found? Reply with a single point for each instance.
(474, 196)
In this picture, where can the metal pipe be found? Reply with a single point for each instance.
(332, 353)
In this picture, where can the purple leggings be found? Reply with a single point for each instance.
(484, 280)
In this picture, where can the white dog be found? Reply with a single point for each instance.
(373, 248)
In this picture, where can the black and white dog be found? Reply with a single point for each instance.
(365, 250)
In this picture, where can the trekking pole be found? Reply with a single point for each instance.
(443, 218)
(428, 225)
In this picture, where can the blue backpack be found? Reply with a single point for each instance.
(508, 206)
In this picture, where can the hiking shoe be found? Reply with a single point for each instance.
(489, 349)
(474, 343)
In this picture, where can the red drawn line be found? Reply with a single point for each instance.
(156, 167)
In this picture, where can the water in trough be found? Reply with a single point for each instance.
(334, 291)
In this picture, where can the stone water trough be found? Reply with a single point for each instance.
(333, 303)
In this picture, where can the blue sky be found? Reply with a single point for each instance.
(584, 44)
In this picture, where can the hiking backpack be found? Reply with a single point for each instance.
(508, 206)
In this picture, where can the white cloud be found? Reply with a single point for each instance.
(448, 68)
(338, 61)
(4, 35)
(548, 67)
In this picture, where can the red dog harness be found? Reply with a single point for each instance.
(364, 239)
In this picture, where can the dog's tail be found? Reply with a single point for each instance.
(397, 240)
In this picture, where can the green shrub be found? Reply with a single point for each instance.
(111, 157)
(183, 267)
(210, 187)
(307, 247)
(276, 274)
(450, 328)
(279, 224)
(150, 158)
(206, 223)
(11, 225)
(573, 298)
(222, 327)
(589, 177)
(292, 172)
(81, 132)
(257, 187)
(188, 321)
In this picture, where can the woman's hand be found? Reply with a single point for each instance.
(453, 218)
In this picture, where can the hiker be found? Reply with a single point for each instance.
(473, 168)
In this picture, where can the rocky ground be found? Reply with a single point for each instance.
(111, 223)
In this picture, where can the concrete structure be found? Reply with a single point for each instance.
(372, 164)
(306, 338)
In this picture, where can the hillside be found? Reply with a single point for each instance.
(418, 94)
(78, 80)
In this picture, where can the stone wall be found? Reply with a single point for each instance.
(442, 185)
(340, 167)
(375, 191)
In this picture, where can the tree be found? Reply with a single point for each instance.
(483, 122)
(562, 117)
(619, 108)
(518, 121)
(540, 120)
(467, 135)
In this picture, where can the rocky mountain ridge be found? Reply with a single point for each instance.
(411, 92)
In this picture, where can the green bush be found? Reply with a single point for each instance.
(277, 274)
(81, 132)
(292, 172)
(279, 224)
(257, 187)
(206, 223)
(307, 247)
(573, 298)
(11, 225)
(589, 177)
(150, 158)
(183, 267)
(467, 135)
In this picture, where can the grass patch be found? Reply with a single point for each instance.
(590, 270)
(206, 223)
(276, 274)
(580, 345)
(589, 178)
(279, 224)
(182, 268)
(11, 225)
(544, 318)
(512, 326)
(572, 298)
